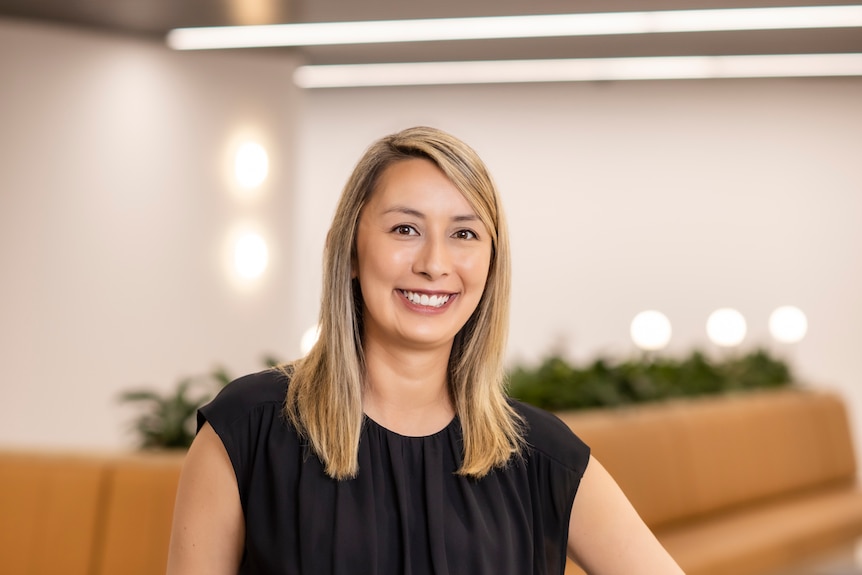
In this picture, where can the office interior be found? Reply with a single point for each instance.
(120, 213)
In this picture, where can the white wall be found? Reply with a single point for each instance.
(116, 211)
(117, 208)
(678, 196)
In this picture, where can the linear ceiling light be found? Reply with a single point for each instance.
(578, 70)
(536, 26)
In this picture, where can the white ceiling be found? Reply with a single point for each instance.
(154, 18)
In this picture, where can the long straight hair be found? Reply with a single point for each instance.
(324, 398)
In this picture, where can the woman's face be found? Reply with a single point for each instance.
(422, 258)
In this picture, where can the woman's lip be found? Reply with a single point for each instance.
(427, 308)
(427, 292)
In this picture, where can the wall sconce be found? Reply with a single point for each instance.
(726, 327)
(250, 256)
(650, 330)
(251, 165)
(309, 338)
(788, 324)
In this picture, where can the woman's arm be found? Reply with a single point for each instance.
(607, 536)
(208, 528)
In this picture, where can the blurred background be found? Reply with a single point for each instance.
(143, 240)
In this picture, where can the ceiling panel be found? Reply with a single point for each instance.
(154, 18)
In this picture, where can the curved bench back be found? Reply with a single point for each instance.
(139, 506)
(685, 458)
(49, 512)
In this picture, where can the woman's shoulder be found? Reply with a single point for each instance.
(244, 395)
(550, 437)
(262, 387)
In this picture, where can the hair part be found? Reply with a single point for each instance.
(324, 398)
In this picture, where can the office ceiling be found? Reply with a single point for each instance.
(153, 18)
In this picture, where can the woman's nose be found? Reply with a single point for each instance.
(433, 259)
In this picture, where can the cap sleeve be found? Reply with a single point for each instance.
(558, 457)
(243, 413)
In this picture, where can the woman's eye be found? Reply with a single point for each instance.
(405, 230)
(466, 235)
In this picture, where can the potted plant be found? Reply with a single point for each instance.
(557, 385)
(167, 420)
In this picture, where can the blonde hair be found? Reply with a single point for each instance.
(324, 398)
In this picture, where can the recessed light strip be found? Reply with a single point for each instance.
(578, 70)
(535, 26)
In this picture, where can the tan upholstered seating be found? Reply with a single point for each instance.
(731, 485)
(50, 511)
(84, 514)
(738, 484)
(139, 506)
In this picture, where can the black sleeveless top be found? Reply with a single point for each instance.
(406, 512)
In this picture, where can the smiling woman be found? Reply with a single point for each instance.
(422, 259)
(430, 194)
(392, 448)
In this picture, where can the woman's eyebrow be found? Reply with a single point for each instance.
(417, 214)
(405, 210)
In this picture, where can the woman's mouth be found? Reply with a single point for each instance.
(435, 300)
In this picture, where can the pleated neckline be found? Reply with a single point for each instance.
(371, 424)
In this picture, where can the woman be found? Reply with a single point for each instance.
(392, 448)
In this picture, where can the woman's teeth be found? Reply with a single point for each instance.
(425, 299)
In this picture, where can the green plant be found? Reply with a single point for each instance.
(168, 420)
(557, 385)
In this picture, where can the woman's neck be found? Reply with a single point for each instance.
(407, 391)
